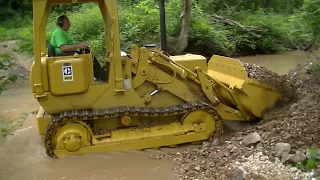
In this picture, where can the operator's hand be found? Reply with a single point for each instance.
(82, 45)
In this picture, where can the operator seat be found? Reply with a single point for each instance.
(51, 51)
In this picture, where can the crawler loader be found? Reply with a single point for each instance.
(150, 99)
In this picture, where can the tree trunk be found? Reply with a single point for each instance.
(182, 40)
(179, 44)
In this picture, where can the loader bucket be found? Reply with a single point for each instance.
(251, 96)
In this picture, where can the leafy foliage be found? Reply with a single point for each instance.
(310, 14)
(5, 78)
(313, 159)
(277, 6)
(8, 125)
(4, 128)
(315, 69)
(289, 24)
(9, 8)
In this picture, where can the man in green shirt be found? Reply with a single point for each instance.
(64, 44)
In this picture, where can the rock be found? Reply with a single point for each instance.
(270, 126)
(206, 145)
(251, 139)
(272, 159)
(247, 154)
(293, 106)
(281, 149)
(229, 147)
(197, 168)
(298, 158)
(286, 157)
(293, 170)
(316, 173)
(266, 134)
(239, 174)
(226, 153)
(234, 149)
(239, 138)
(259, 146)
(219, 156)
(215, 142)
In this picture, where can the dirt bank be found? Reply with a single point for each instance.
(11, 116)
(253, 151)
(23, 62)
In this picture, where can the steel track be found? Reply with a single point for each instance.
(81, 115)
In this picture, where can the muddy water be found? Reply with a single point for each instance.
(22, 155)
(280, 63)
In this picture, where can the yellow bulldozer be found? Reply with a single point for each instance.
(150, 99)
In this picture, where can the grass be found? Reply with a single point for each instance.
(21, 29)
(315, 68)
(7, 127)
(4, 127)
(312, 161)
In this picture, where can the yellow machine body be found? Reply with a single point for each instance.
(150, 99)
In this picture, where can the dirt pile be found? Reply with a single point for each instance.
(284, 83)
(298, 122)
(222, 162)
(252, 152)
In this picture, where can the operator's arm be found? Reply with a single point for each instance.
(66, 48)
(73, 47)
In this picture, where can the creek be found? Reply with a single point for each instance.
(22, 156)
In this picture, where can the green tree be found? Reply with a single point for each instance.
(310, 13)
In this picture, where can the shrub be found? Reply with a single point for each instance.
(140, 24)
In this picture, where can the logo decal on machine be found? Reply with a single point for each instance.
(67, 73)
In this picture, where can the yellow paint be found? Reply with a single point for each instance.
(43, 120)
(65, 83)
(72, 137)
(191, 61)
(251, 96)
(148, 78)
(137, 139)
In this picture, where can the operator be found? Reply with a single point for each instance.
(64, 44)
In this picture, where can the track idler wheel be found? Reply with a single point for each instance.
(71, 137)
(72, 142)
(201, 119)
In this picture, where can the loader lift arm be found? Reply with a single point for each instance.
(231, 99)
